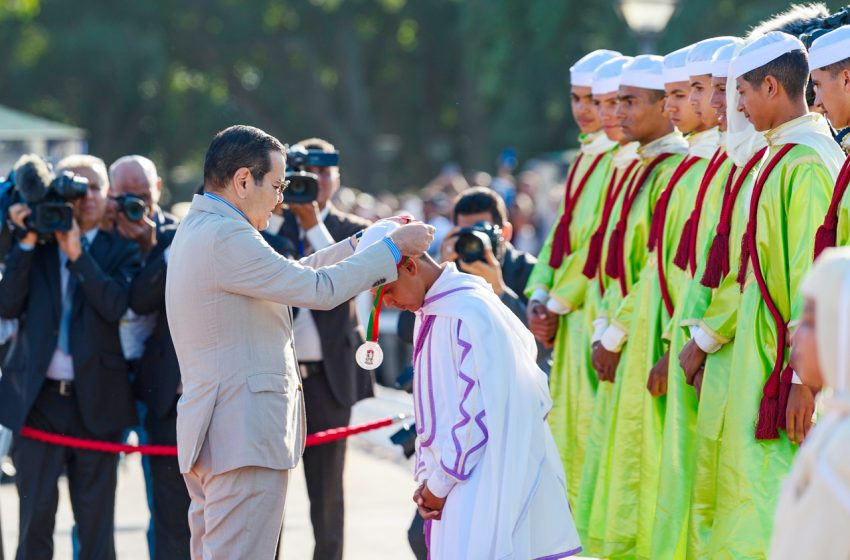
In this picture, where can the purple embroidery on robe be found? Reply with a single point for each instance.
(572, 552)
(441, 295)
(425, 334)
(427, 530)
(460, 460)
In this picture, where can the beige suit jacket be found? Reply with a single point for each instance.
(227, 297)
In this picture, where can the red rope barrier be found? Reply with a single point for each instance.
(318, 438)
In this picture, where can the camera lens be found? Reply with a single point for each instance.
(134, 208)
(297, 187)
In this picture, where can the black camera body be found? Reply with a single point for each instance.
(472, 242)
(47, 195)
(304, 186)
(131, 206)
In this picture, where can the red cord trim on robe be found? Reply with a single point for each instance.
(826, 234)
(592, 265)
(718, 265)
(616, 267)
(659, 219)
(686, 254)
(561, 243)
(769, 413)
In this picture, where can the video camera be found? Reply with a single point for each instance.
(472, 242)
(48, 195)
(303, 185)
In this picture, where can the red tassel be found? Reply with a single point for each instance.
(612, 265)
(769, 409)
(556, 257)
(653, 229)
(824, 239)
(717, 265)
(683, 253)
(784, 391)
(594, 255)
(745, 260)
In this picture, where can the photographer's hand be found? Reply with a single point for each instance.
(490, 271)
(18, 214)
(307, 213)
(69, 242)
(142, 232)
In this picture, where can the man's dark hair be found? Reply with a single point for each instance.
(791, 70)
(837, 67)
(481, 199)
(236, 147)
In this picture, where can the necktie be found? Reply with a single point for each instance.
(68, 306)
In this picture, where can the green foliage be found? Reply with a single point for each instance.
(398, 85)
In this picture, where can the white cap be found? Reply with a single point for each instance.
(676, 66)
(581, 73)
(723, 57)
(606, 79)
(699, 59)
(644, 71)
(763, 49)
(830, 48)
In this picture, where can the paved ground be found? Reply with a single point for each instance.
(378, 489)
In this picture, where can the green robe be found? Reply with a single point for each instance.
(718, 320)
(647, 318)
(594, 310)
(571, 386)
(749, 471)
(669, 536)
(613, 519)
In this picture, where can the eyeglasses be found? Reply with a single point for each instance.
(280, 188)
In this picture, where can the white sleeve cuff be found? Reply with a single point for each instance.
(440, 484)
(556, 307)
(795, 379)
(704, 341)
(540, 295)
(599, 326)
(319, 237)
(613, 338)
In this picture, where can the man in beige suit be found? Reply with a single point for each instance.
(240, 423)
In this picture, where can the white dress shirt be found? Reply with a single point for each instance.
(308, 343)
(61, 366)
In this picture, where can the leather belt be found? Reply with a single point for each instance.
(64, 388)
(310, 368)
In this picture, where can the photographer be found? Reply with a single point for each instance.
(506, 269)
(325, 343)
(134, 211)
(65, 372)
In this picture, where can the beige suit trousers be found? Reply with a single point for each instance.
(237, 514)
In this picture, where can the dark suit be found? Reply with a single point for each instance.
(155, 384)
(99, 404)
(329, 393)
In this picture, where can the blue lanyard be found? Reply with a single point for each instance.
(218, 198)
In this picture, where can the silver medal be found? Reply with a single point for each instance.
(369, 356)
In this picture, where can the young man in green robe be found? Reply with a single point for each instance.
(584, 274)
(563, 254)
(829, 64)
(614, 516)
(675, 478)
(788, 200)
(705, 359)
